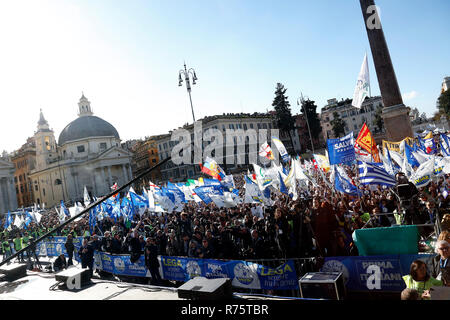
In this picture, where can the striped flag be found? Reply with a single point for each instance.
(373, 173)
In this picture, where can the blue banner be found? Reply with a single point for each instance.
(341, 150)
(54, 246)
(120, 264)
(242, 273)
(357, 276)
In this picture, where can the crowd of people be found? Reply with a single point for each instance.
(320, 222)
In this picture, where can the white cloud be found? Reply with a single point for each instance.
(410, 95)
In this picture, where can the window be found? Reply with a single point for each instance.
(43, 191)
(58, 182)
(251, 125)
(80, 149)
(245, 126)
(264, 125)
(102, 145)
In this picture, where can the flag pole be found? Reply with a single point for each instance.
(368, 75)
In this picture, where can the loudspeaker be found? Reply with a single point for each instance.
(13, 271)
(73, 278)
(201, 288)
(322, 285)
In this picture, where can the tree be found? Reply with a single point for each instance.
(378, 121)
(338, 125)
(285, 121)
(309, 107)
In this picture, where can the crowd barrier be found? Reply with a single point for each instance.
(256, 275)
(244, 274)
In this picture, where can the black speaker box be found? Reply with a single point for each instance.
(322, 285)
(13, 271)
(201, 288)
(73, 277)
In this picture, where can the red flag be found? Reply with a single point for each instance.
(366, 142)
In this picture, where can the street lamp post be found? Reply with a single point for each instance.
(186, 74)
(300, 103)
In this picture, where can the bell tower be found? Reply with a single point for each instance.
(45, 143)
(84, 107)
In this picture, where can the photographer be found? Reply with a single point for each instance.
(408, 196)
(257, 248)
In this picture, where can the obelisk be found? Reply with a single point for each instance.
(395, 114)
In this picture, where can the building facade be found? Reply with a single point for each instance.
(24, 161)
(243, 132)
(8, 198)
(88, 154)
(354, 118)
(304, 136)
(145, 156)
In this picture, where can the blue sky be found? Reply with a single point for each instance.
(125, 56)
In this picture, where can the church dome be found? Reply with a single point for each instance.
(86, 127)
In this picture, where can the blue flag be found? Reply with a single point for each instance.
(9, 220)
(283, 188)
(28, 220)
(92, 220)
(341, 150)
(116, 212)
(174, 189)
(203, 192)
(138, 202)
(410, 157)
(167, 193)
(445, 144)
(211, 182)
(63, 207)
(345, 186)
(127, 208)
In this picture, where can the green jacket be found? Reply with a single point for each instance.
(6, 246)
(421, 286)
(17, 244)
(25, 240)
